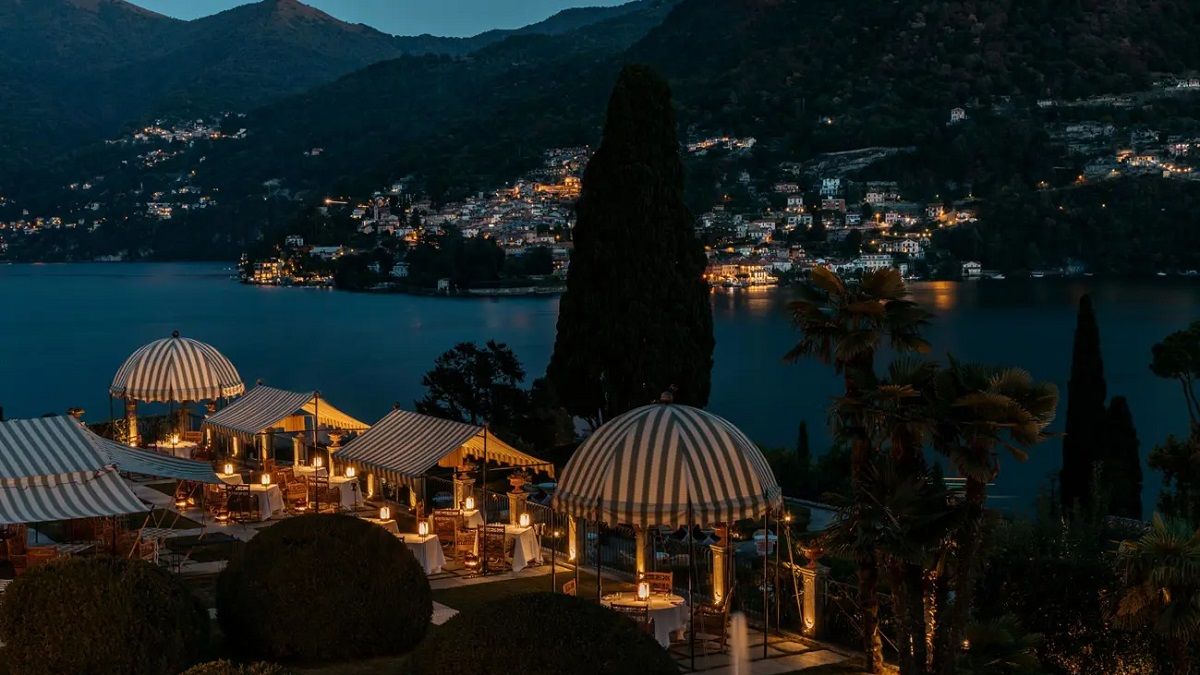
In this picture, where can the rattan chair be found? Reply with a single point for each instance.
(445, 526)
(639, 613)
(295, 494)
(36, 556)
(16, 551)
(464, 543)
(243, 505)
(660, 582)
(493, 546)
(711, 626)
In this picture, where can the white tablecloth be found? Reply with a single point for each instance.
(669, 612)
(181, 449)
(428, 551)
(525, 546)
(472, 519)
(270, 499)
(389, 525)
(231, 478)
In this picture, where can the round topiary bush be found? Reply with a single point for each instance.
(541, 633)
(100, 615)
(230, 668)
(323, 587)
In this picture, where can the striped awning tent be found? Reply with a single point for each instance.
(667, 464)
(50, 469)
(176, 369)
(405, 445)
(56, 468)
(266, 407)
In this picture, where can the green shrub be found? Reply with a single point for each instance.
(230, 668)
(541, 633)
(100, 615)
(323, 587)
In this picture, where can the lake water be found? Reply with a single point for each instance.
(64, 330)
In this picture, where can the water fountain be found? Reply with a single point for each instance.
(739, 645)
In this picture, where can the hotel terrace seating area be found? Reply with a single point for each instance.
(661, 515)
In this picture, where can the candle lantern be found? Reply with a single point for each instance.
(351, 472)
(266, 479)
(385, 513)
(228, 468)
(523, 520)
(469, 503)
(423, 528)
(643, 591)
(318, 462)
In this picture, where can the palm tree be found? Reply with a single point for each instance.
(980, 408)
(844, 325)
(1162, 586)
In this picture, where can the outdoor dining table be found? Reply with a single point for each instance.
(389, 524)
(181, 449)
(428, 551)
(75, 548)
(270, 499)
(669, 612)
(525, 546)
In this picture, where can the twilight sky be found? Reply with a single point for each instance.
(405, 17)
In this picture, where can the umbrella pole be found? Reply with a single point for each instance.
(484, 494)
(691, 588)
(599, 580)
(766, 548)
(778, 544)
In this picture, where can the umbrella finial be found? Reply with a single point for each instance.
(175, 333)
(668, 396)
(396, 405)
(258, 382)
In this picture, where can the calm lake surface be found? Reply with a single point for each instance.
(64, 330)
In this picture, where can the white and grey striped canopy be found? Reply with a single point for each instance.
(646, 467)
(264, 407)
(176, 369)
(404, 445)
(54, 468)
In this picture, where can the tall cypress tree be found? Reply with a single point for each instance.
(1121, 467)
(635, 319)
(1086, 393)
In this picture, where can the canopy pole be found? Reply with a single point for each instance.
(485, 499)
(691, 588)
(316, 419)
(778, 544)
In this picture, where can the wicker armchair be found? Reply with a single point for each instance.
(464, 543)
(36, 556)
(494, 546)
(661, 583)
(16, 551)
(639, 613)
(711, 628)
(295, 494)
(445, 526)
(243, 505)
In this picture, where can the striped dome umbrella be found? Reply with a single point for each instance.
(176, 369)
(655, 464)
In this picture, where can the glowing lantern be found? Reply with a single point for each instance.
(174, 439)
(643, 591)
(385, 513)
(228, 468)
(423, 528)
(318, 462)
(266, 479)
(523, 520)
(469, 503)
(350, 472)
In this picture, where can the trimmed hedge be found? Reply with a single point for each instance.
(323, 587)
(230, 668)
(541, 633)
(101, 615)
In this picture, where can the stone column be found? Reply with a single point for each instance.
(516, 506)
(720, 554)
(370, 485)
(131, 422)
(813, 620)
(573, 540)
(463, 484)
(640, 540)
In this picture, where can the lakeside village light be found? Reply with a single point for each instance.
(523, 520)
(469, 504)
(385, 513)
(423, 528)
(643, 591)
